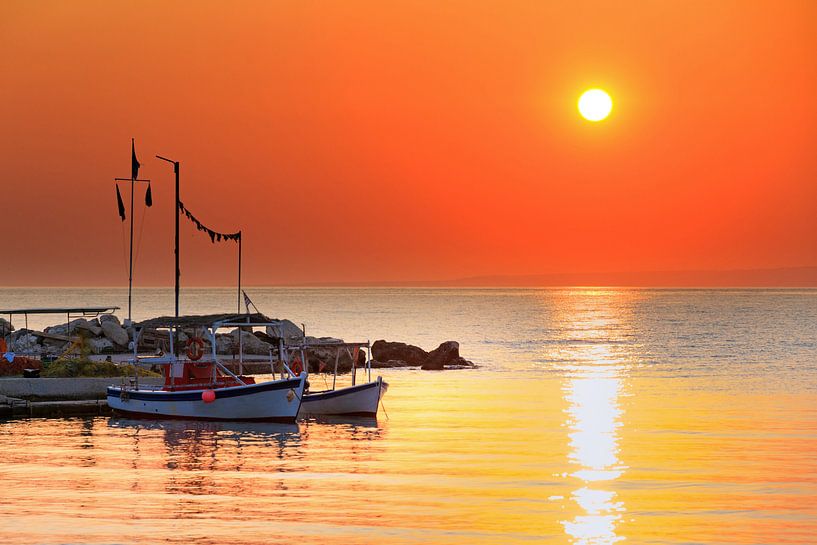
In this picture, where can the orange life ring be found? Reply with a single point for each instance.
(195, 349)
(297, 367)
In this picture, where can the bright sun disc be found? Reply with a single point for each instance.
(595, 105)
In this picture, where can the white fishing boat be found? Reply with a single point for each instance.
(199, 387)
(362, 399)
(358, 400)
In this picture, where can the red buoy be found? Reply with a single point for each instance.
(208, 396)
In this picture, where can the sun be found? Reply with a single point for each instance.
(595, 105)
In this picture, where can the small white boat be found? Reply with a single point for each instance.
(199, 389)
(355, 400)
(358, 400)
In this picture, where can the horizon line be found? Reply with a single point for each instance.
(805, 277)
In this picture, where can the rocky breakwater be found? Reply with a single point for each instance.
(106, 335)
(396, 354)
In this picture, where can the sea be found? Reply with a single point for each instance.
(595, 416)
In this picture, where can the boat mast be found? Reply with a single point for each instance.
(239, 275)
(176, 249)
(133, 179)
(130, 254)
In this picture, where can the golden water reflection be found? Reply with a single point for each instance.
(593, 349)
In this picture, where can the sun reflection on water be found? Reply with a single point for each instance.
(593, 351)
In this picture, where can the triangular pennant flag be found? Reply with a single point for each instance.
(148, 197)
(134, 163)
(120, 204)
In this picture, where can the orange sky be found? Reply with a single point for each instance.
(356, 141)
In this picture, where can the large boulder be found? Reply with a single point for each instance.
(108, 318)
(249, 343)
(389, 351)
(288, 330)
(224, 344)
(445, 354)
(84, 327)
(113, 330)
(91, 326)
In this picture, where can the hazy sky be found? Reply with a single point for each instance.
(355, 141)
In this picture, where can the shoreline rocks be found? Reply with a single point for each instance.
(396, 354)
(106, 335)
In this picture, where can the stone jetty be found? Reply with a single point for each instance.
(106, 336)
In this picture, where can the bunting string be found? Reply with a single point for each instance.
(215, 236)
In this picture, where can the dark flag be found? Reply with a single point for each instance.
(120, 204)
(134, 163)
(148, 197)
(248, 302)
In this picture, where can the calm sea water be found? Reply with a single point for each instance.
(597, 416)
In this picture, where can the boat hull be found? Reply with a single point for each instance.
(274, 401)
(359, 400)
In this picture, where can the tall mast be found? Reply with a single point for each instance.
(176, 166)
(239, 274)
(133, 179)
(130, 257)
(176, 249)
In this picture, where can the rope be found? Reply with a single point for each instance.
(214, 235)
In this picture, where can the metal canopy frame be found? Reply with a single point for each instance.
(76, 312)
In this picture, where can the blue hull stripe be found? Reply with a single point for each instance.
(319, 396)
(195, 395)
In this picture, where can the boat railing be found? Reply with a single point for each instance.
(302, 347)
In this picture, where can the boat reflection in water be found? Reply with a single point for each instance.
(594, 351)
(238, 459)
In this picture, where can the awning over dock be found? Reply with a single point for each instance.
(207, 320)
(76, 312)
(60, 310)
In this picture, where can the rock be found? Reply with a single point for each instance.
(81, 326)
(446, 356)
(384, 351)
(26, 344)
(60, 329)
(5, 327)
(288, 330)
(100, 345)
(251, 343)
(224, 344)
(108, 318)
(447, 352)
(459, 363)
(115, 332)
